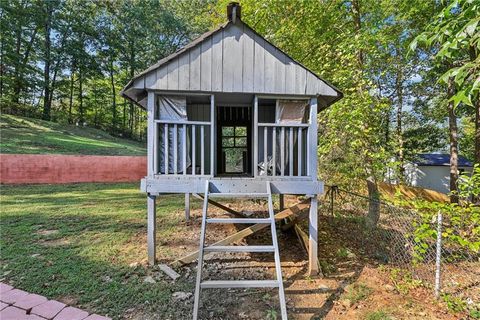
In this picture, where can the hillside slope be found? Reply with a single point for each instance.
(34, 136)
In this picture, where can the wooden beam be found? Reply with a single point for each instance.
(299, 151)
(187, 206)
(292, 211)
(274, 151)
(303, 238)
(221, 206)
(166, 146)
(291, 222)
(312, 143)
(184, 149)
(202, 150)
(192, 184)
(212, 135)
(255, 136)
(312, 172)
(313, 237)
(281, 200)
(175, 149)
(151, 228)
(150, 133)
(155, 148)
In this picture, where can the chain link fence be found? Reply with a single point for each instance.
(404, 240)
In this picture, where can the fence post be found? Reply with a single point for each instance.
(438, 255)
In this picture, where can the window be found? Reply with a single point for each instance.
(234, 145)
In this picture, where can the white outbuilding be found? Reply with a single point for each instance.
(432, 171)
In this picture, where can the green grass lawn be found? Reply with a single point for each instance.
(77, 243)
(34, 136)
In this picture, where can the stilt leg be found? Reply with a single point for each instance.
(187, 206)
(313, 237)
(151, 228)
(282, 202)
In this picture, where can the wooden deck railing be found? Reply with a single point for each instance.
(188, 147)
(285, 149)
(287, 138)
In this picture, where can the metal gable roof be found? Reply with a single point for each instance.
(310, 83)
(440, 159)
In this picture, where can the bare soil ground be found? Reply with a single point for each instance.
(355, 285)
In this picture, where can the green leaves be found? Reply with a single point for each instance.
(461, 97)
(456, 33)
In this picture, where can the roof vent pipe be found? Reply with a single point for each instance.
(234, 11)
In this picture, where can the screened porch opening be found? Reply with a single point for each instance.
(282, 137)
(183, 136)
(234, 135)
(205, 136)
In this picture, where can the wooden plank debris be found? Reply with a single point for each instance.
(291, 222)
(221, 206)
(289, 212)
(169, 271)
(303, 238)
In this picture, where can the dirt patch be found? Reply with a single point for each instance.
(55, 242)
(46, 232)
(417, 304)
(349, 264)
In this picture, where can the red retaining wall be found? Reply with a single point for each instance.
(26, 168)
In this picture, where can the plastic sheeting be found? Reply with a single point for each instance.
(286, 112)
(290, 111)
(173, 108)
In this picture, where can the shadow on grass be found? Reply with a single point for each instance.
(97, 229)
(64, 249)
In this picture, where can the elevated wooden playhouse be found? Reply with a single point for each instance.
(231, 115)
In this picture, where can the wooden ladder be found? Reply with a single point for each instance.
(278, 283)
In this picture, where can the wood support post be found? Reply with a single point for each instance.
(281, 199)
(151, 228)
(213, 138)
(313, 236)
(151, 127)
(312, 140)
(187, 206)
(255, 136)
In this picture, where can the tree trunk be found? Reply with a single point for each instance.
(46, 70)
(477, 130)
(114, 97)
(131, 120)
(70, 106)
(16, 72)
(453, 134)
(357, 20)
(95, 106)
(56, 68)
(2, 42)
(373, 214)
(476, 104)
(81, 112)
(1, 61)
(399, 90)
(52, 86)
(124, 120)
(132, 74)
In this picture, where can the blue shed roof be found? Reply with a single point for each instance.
(440, 159)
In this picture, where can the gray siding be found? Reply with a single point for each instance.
(234, 59)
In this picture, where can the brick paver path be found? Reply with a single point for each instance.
(17, 304)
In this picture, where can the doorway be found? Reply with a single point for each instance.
(234, 155)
